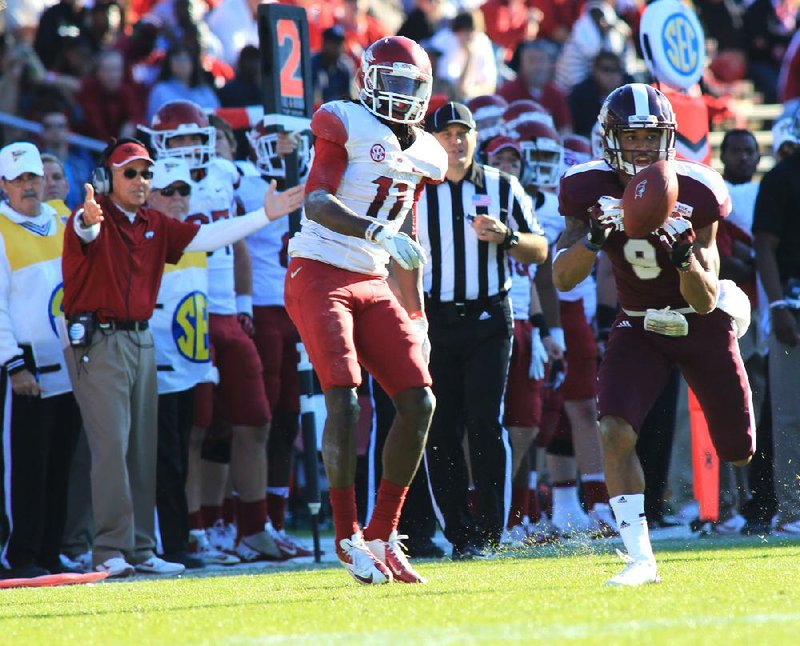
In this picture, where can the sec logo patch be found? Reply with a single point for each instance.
(190, 328)
(55, 306)
(377, 152)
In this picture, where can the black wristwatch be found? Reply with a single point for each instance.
(511, 240)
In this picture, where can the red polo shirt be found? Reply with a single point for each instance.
(118, 274)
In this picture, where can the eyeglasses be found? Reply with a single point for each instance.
(182, 190)
(131, 173)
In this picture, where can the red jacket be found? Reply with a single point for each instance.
(104, 113)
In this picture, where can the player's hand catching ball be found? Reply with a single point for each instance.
(279, 203)
(92, 213)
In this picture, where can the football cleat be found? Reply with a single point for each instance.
(635, 573)
(569, 522)
(542, 532)
(289, 546)
(602, 521)
(258, 547)
(200, 546)
(361, 563)
(222, 537)
(391, 553)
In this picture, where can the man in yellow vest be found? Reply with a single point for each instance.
(41, 419)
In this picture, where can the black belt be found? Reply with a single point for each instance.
(463, 308)
(125, 326)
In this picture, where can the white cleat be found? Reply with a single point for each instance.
(222, 537)
(200, 547)
(571, 522)
(361, 563)
(635, 573)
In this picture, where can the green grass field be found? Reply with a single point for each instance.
(713, 592)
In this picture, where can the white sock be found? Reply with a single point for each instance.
(632, 524)
(566, 498)
(593, 477)
(533, 480)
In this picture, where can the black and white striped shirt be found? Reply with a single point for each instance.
(460, 267)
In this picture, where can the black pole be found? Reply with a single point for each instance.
(309, 430)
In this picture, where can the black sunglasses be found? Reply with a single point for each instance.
(182, 190)
(131, 173)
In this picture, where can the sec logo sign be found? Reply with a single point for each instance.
(377, 152)
(190, 328)
(681, 44)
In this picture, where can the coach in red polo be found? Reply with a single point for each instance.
(114, 255)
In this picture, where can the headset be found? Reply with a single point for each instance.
(102, 176)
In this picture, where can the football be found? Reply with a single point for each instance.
(649, 199)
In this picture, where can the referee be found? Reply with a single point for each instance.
(469, 225)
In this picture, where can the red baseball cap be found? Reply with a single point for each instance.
(501, 142)
(128, 152)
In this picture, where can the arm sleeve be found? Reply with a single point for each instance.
(330, 154)
(10, 352)
(221, 233)
(86, 234)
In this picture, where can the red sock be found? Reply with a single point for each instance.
(196, 520)
(276, 508)
(534, 513)
(519, 505)
(229, 510)
(386, 514)
(211, 514)
(252, 517)
(472, 502)
(345, 515)
(594, 492)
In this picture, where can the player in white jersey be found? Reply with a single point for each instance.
(574, 435)
(371, 161)
(180, 129)
(275, 335)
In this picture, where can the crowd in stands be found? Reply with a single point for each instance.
(103, 69)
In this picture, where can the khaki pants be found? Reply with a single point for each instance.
(784, 383)
(114, 382)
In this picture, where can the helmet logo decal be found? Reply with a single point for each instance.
(377, 152)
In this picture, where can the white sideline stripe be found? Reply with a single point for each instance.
(522, 631)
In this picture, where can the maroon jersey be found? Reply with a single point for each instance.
(643, 272)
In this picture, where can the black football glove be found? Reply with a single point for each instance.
(677, 237)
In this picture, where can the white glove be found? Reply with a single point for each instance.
(420, 326)
(673, 228)
(611, 217)
(538, 356)
(557, 337)
(405, 251)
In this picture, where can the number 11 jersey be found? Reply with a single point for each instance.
(381, 182)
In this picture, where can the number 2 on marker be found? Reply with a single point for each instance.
(291, 82)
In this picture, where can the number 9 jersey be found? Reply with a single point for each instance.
(380, 182)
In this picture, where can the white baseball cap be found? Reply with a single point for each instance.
(18, 158)
(168, 170)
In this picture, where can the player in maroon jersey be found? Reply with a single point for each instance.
(671, 302)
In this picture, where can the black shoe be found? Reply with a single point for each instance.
(185, 559)
(757, 528)
(30, 571)
(423, 548)
(471, 551)
(63, 569)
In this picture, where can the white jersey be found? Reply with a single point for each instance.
(379, 183)
(213, 199)
(743, 204)
(268, 245)
(180, 325)
(554, 225)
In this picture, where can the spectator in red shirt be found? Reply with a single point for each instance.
(511, 22)
(112, 107)
(361, 29)
(534, 62)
